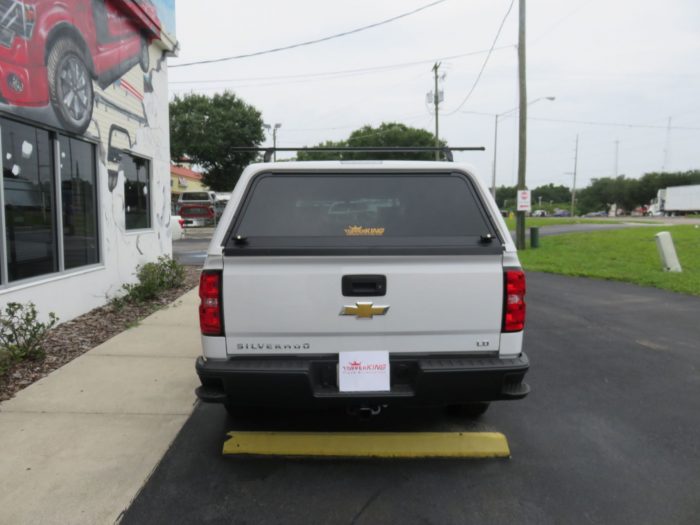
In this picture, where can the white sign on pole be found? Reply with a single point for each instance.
(524, 200)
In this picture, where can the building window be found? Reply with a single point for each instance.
(78, 202)
(32, 204)
(29, 201)
(136, 191)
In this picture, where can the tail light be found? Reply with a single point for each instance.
(210, 321)
(514, 301)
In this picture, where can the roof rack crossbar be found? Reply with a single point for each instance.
(447, 151)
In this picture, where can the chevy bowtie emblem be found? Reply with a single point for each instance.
(364, 310)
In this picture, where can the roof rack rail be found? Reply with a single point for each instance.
(447, 151)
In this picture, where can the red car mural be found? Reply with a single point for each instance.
(52, 50)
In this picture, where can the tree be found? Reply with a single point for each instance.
(550, 192)
(323, 155)
(388, 134)
(651, 183)
(205, 128)
(505, 196)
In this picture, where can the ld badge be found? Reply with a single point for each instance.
(364, 310)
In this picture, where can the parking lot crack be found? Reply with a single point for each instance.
(366, 505)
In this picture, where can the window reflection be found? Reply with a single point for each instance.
(30, 230)
(136, 191)
(78, 202)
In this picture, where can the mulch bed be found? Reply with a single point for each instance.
(73, 338)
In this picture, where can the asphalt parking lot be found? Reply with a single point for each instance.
(608, 435)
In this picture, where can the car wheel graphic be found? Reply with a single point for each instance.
(70, 85)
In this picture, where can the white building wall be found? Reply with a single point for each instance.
(142, 110)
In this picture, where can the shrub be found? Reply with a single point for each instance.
(21, 335)
(5, 361)
(153, 278)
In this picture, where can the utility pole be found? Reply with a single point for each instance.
(668, 143)
(522, 135)
(617, 148)
(436, 102)
(573, 189)
(495, 149)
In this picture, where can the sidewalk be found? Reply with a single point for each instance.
(76, 446)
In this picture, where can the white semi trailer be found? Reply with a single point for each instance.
(676, 200)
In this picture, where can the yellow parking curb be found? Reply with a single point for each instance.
(368, 444)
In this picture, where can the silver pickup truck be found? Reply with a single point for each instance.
(361, 284)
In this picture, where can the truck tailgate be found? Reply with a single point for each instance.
(293, 305)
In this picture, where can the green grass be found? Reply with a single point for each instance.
(622, 255)
(551, 221)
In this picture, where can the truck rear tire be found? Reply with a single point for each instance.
(469, 410)
(240, 412)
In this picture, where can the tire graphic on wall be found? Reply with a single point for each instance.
(144, 57)
(70, 85)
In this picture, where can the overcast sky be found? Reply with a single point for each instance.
(606, 61)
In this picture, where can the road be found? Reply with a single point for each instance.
(608, 435)
(192, 249)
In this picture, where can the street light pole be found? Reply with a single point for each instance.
(274, 138)
(436, 102)
(274, 141)
(573, 188)
(495, 139)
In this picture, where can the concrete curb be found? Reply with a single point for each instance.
(76, 446)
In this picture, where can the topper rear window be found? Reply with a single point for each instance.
(360, 212)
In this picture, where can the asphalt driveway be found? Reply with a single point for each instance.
(609, 434)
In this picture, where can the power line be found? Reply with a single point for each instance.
(486, 60)
(595, 122)
(408, 117)
(614, 124)
(311, 42)
(344, 72)
(559, 22)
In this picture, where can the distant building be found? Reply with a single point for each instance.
(85, 191)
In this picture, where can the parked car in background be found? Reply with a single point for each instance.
(177, 227)
(197, 214)
(597, 214)
(197, 208)
(222, 199)
(198, 197)
(561, 213)
(539, 213)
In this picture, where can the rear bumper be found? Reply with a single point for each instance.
(197, 222)
(312, 381)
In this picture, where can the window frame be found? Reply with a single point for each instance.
(5, 284)
(59, 197)
(149, 228)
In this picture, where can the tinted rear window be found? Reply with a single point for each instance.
(356, 210)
